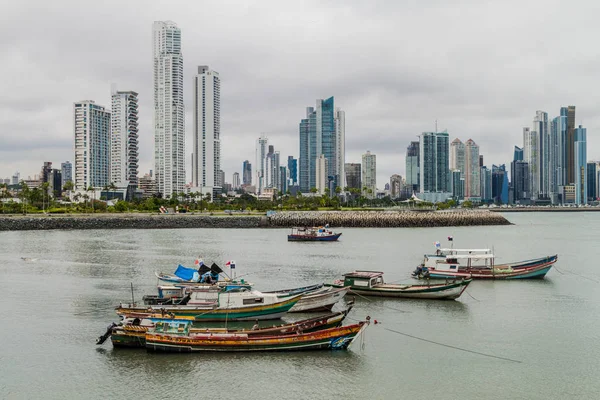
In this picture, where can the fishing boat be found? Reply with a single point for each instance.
(480, 264)
(371, 283)
(338, 338)
(313, 234)
(132, 331)
(216, 304)
(174, 294)
(315, 298)
(203, 275)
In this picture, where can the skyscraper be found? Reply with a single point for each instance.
(592, 181)
(486, 183)
(66, 172)
(207, 130)
(556, 172)
(434, 170)
(530, 155)
(322, 132)
(92, 145)
(520, 181)
(292, 165)
(262, 143)
(412, 167)
(124, 154)
(395, 186)
(580, 158)
(321, 182)
(340, 142)
(457, 156)
(235, 182)
(569, 144)
(369, 174)
(169, 113)
(247, 173)
(540, 126)
(458, 185)
(353, 176)
(500, 184)
(472, 171)
(518, 154)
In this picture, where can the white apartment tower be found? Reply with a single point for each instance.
(321, 177)
(262, 146)
(369, 174)
(472, 170)
(92, 145)
(457, 156)
(531, 156)
(206, 162)
(169, 113)
(340, 132)
(124, 149)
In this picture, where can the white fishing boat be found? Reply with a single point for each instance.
(322, 299)
(217, 304)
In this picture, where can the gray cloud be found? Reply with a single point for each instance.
(480, 68)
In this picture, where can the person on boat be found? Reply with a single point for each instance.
(255, 326)
(209, 277)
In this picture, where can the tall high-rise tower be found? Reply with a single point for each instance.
(169, 113)
(92, 145)
(540, 126)
(457, 156)
(124, 153)
(569, 145)
(472, 170)
(206, 162)
(369, 174)
(580, 164)
(322, 132)
(531, 157)
(434, 170)
(412, 166)
(262, 145)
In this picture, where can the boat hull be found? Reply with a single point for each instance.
(450, 291)
(320, 301)
(307, 238)
(534, 269)
(260, 312)
(327, 339)
(135, 337)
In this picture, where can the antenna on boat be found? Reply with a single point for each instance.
(132, 299)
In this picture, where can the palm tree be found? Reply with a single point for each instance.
(91, 189)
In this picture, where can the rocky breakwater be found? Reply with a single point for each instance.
(387, 219)
(128, 221)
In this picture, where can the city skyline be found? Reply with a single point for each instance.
(464, 108)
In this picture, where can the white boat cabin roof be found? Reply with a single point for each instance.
(363, 274)
(469, 256)
(456, 251)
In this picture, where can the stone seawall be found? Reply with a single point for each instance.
(364, 219)
(387, 219)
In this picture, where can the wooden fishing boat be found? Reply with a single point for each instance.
(217, 304)
(174, 294)
(132, 331)
(313, 234)
(338, 338)
(480, 264)
(319, 300)
(370, 283)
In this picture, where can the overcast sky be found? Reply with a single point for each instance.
(480, 68)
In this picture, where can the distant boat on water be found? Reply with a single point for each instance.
(479, 264)
(313, 234)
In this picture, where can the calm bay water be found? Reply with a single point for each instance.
(54, 308)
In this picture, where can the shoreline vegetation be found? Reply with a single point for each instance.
(283, 219)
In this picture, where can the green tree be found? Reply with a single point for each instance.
(313, 190)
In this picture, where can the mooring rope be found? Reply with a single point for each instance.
(381, 305)
(453, 347)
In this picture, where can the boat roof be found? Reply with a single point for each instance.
(363, 274)
(467, 250)
(467, 256)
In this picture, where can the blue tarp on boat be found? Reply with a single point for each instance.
(186, 274)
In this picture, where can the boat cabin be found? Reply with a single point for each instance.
(366, 279)
(454, 262)
(174, 327)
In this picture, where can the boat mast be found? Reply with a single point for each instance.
(132, 299)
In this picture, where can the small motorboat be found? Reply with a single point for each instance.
(370, 283)
(313, 234)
